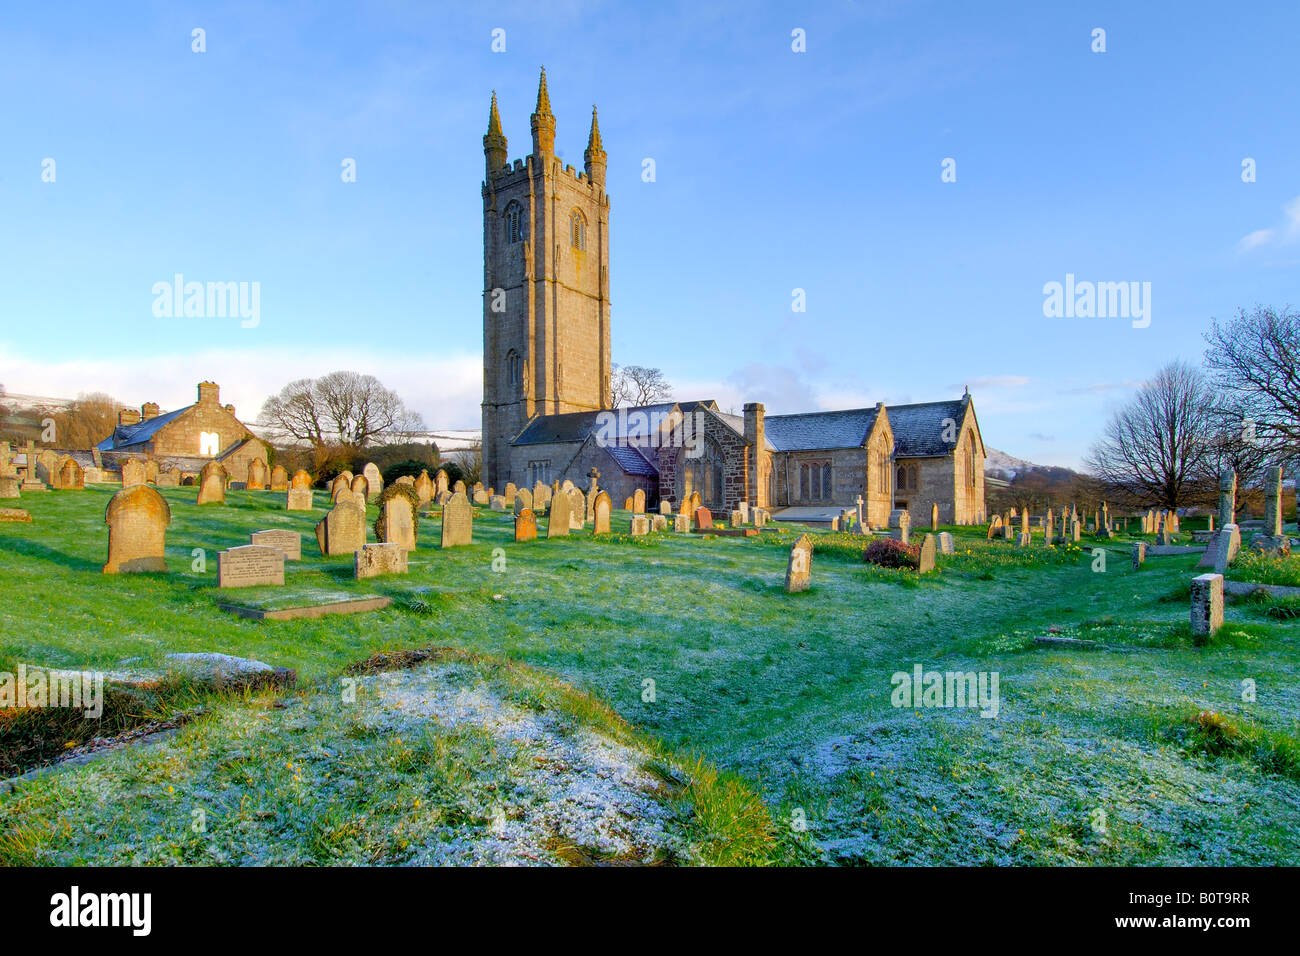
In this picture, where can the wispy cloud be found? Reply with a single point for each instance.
(1286, 232)
(992, 381)
(1098, 387)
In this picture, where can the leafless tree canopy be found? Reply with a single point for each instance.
(341, 409)
(1254, 360)
(87, 420)
(470, 462)
(1157, 449)
(634, 385)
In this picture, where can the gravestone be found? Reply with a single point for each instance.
(760, 517)
(934, 519)
(1210, 522)
(398, 520)
(736, 520)
(442, 498)
(480, 497)
(798, 572)
(1207, 604)
(459, 489)
(743, 508)
(665, 506)
(9, 486)
(372, 560)
(457, 521)
(250, 565)
(298, 499)
(600, 514)
(361, 486)
(541, 495)
(658, 523)
(640, 526)
(638, 502)
(589, 498)
(137, 519)
(256, 475)
(1273, 502)
(1139, 554)
(1229, 547)
(559, 520)
(510, 492)
(497, 503)
(71, 475)
(681, 524)
(1163, 536)
(695, 502)
(566, 486)
(627, 503)
(300, 480)
(343, 530)
(150, 471)
(212, 484)
(526, 525)
(945, 543)
(703, 519)
(577, 509)
(928, 547)
(439, 482)
(1227, 497)
(994, 527)
(900, 523)
(279, 478)
(132, 473)
(339, 484)
(424, 487)
(1024, 539)
(373, 478)
(523, 499)
(1049, 527)
(290, 542)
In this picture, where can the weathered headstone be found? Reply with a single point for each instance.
(457, 521)
(900, 523)
(577, 509)
(735, 519)
(681, 524)
(1207, 604)
(928, 548)
(300, 480)
(798, 572)
(1139, 554)
(627, 503)
(703, 519)
(361, 486)
(523, 499)
(1229, 547)
(640, 525)
(600, 513)
(658, 523)
(945, 543)
(459, 489)
(1273, 502)
(137, 519)
(559, 520)
(638, 502)
(250, 565)
(71, 475)
(934, 519)
(373, 478)
(526, 525)
(9, 486)
(279, 478)
(343, 530)
(665, 506)
(424, 487)
(439, 482)
(212, 484)
(541, 495)
(132, 472)
(398, 517)
(299, 496)
(480, 497)
(372, 560)
(340, 483)
(256, 475)
(995, 525)
(290, 542)
(497, 503)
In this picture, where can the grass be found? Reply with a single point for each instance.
(768, 714)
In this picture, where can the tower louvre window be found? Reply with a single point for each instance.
(577, 231)
(513, 369)
(514, 219)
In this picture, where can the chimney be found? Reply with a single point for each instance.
(231, 409)
(128, 416)
(149, 410)
(209, 393)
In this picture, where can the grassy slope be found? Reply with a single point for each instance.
(791, 692)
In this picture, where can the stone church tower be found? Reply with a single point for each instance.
(546, 347)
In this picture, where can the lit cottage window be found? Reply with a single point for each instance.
(209, 443)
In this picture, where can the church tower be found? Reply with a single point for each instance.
(546, 348)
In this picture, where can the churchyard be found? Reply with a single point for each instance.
(665, 697)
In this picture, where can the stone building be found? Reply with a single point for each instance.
(546, 379)
(186, 438)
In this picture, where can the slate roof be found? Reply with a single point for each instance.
(576, 426)
(814, 431)
(630, 459)
(919, 429)
(124, 435)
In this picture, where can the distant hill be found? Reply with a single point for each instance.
(1001, 465)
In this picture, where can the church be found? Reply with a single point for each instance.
(547, 412)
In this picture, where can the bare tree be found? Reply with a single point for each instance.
(1156, 449)
(86, 420)
(342, 409)
(635, 385)
(1254, 360)
(470, 463)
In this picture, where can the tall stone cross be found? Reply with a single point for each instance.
(861, 523)
(1227, 497)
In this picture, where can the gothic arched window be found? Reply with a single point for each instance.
(514, 369)
(514, 218)
(577, 230)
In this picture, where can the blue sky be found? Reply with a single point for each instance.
(775, 170)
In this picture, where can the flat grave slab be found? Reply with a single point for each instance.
(303, 611)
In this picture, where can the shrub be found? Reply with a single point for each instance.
(892, 553)
(402, 469)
